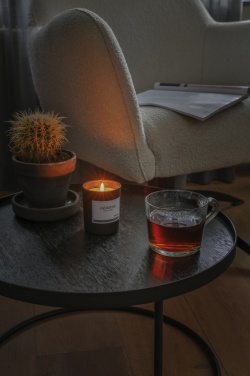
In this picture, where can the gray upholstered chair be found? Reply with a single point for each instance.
(89, 58)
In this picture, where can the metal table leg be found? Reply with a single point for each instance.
(159, 320)
(158, 338)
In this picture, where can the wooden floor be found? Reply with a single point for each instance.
(108, 344)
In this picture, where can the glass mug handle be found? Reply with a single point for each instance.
(214, 209)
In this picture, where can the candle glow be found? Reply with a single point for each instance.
(101, 188)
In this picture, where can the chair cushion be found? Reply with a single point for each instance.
(183, 145)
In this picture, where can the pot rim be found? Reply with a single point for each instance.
(73, 156)
(45, 170)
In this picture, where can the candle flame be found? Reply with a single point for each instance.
(101, 187)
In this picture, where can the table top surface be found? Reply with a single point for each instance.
(58, 264)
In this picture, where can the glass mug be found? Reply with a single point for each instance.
(176, 220)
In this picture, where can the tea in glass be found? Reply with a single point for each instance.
(176, 220)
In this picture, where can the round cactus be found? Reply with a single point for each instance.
(37, 137)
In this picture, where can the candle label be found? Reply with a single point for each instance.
(105, 211)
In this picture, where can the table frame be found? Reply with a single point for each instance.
(159, 320)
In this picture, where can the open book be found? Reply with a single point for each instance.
(198, 101)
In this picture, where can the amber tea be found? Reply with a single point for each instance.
(175, 236)
(176, 220)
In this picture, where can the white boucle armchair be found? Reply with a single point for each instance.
(89, 58)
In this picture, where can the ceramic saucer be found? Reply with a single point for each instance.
(21, 209)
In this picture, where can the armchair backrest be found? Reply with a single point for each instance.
(161, 40)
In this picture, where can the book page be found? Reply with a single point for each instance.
(196, 104)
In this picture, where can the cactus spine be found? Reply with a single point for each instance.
(37, 137)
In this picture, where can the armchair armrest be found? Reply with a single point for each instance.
(79, 71)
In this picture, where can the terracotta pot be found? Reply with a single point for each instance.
(46, 185)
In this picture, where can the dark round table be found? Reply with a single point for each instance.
(58, 264)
